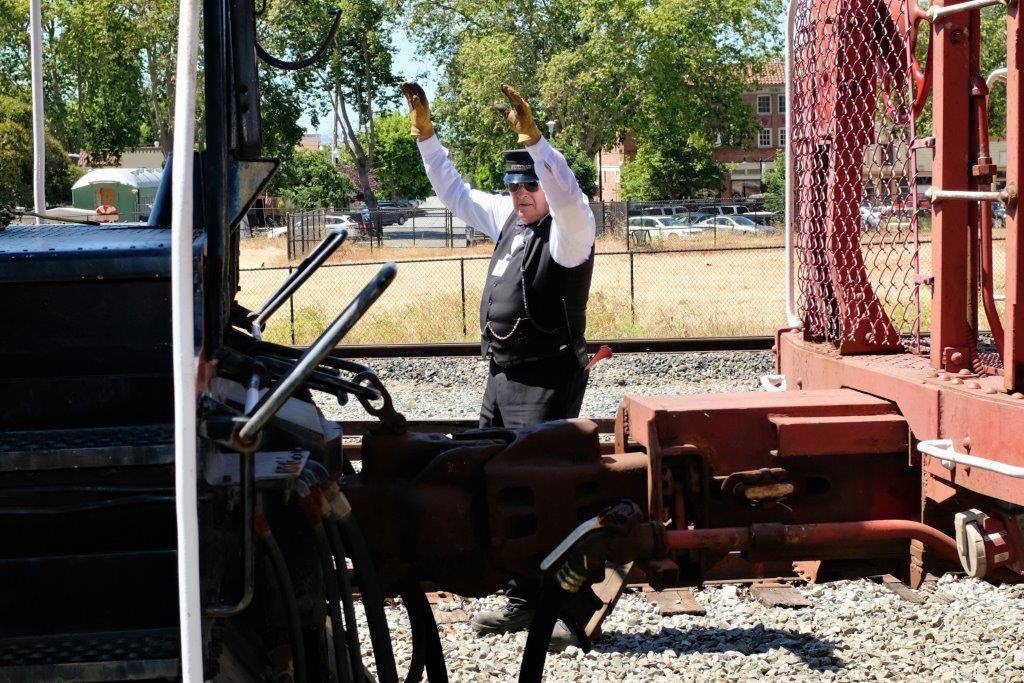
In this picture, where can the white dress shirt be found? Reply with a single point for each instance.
(572, 222)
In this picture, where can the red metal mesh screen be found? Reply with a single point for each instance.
(854, 205)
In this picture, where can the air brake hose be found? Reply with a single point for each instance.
(373, 599)
(334, 602)
(552, 598)
(426, 643)
(287, 590)
(347, 602)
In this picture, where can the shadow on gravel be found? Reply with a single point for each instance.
(816, 653)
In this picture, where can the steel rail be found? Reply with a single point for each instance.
(682, 345)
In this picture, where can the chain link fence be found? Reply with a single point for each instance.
(694, 292)
(857, 210)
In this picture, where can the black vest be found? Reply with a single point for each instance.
(532, 307)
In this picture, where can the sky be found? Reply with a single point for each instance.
(408, 65)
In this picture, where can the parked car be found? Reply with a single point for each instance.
(869, 218)
(998, 214)
(642, 229)
(735, 224)
(903, 201)
(764, 217)
(355, 227)
(660, 210)
(723, 209)
(392, 212)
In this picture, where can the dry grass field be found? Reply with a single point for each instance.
(723, 292)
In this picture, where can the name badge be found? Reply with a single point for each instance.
(499, 268)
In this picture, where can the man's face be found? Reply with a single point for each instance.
(530, 206)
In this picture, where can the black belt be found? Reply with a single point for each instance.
(513, 361)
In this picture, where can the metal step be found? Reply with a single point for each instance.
(151, 444)
(100, 656)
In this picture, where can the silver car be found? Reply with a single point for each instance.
(735, 224)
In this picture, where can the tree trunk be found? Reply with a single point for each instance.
(160, 122)
(359, 154)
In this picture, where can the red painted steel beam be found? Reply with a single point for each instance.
(952, 343)
(804, 535)
(1013, 358)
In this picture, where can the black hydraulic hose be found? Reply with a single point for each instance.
(334, 601)
(551, 599)
(347, 602)
(417, 662)
(426, 642)
(373, 600)
(287, 591)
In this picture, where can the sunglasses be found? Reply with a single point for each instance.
(531, 187)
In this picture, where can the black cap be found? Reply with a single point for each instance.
(519, 167)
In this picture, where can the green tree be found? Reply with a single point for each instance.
(676, 171)
(93, 71)
(155, 23)
(775, 184)
(14, 64)
(16, 158)
(280, 109)
(662, 70)
(993, 56)
(354, 81)
(310, 180)
(490, 172)
(398, 159)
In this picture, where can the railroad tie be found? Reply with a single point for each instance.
(778, 595)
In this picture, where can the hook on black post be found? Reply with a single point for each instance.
(324, 48)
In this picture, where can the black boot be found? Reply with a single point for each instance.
(515, 616)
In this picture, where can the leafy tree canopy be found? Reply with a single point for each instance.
(662, 70)
(309, 179)
(399, 167)
(671, 172)
(16, 158)
(775, 184)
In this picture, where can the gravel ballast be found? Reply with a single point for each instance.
(854, 631)
(451, 388)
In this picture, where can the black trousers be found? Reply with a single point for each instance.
(525, 395)
(530, 393)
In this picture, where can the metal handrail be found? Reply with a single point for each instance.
(272, 401)
(38, 116)
(936, 13)
(298, 277)
(184, 348)
(791, 317)
(949, 458)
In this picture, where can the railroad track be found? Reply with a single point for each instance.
(457, 349)
(781, 592)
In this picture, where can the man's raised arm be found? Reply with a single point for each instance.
(480, 210)
(572, 226)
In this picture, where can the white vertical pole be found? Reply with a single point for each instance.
(35, 31)
(184, 351)
(792, 318)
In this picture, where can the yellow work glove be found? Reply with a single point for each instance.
(419, 111)
(519, 116)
